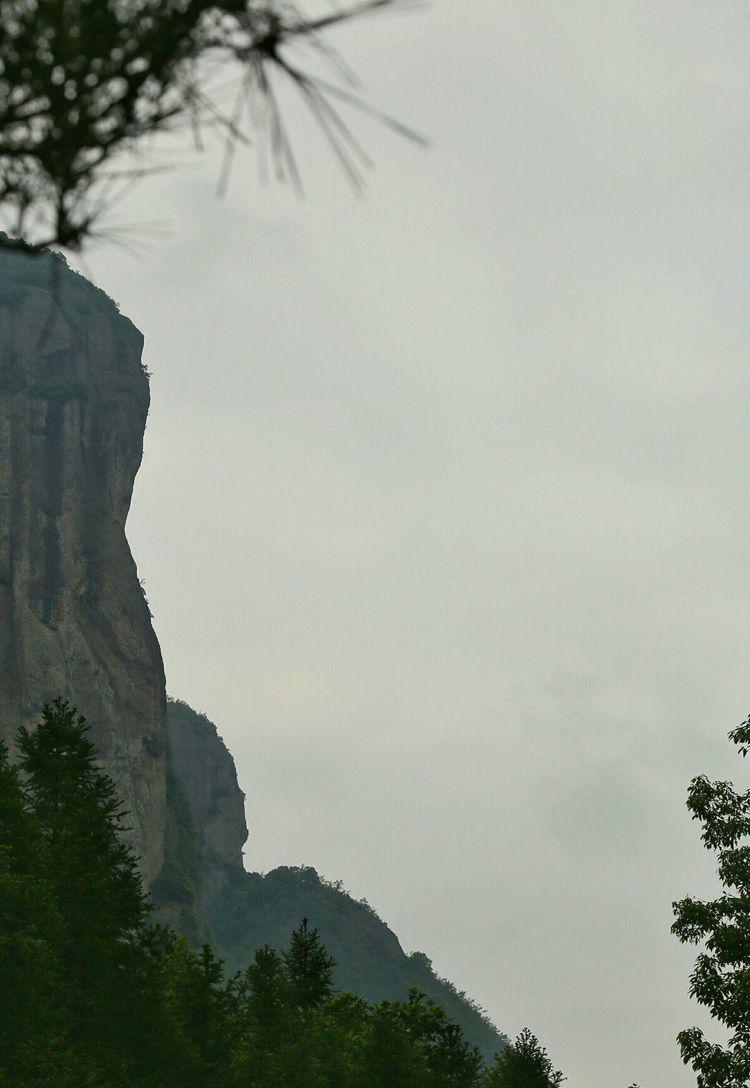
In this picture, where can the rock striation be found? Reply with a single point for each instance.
(74, 399)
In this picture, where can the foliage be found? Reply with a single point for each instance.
(254, 910)
(104, 998)
(29, 933)
(524, 1064)
(74, 926)
(721, 978)
(309, 968)
(82, 81)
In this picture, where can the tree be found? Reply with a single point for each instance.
(267, 990)
(391, 1057)
(82, 81)
(263, 994)
(721, 978)
(109, 963)
(207, 1009)
(309, 968)
(32, 1026)
(524, 1064)
(453, 1062)
(341, 1030)
(93, 873)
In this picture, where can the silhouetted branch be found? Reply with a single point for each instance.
(82, 81)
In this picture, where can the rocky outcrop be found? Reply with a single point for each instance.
(206, 828)
(208, 778)
(73, 620)
(205, 891)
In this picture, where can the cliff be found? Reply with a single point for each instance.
(206, 828)
(73, 405)
(74, 399)
(208, 778)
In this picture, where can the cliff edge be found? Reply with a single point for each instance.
(73, 620)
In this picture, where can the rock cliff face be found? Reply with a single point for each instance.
(208, 778)
(73, 620)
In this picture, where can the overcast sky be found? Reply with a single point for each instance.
(444, 513)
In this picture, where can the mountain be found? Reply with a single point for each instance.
(74, 398)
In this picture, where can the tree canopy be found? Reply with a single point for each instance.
(721, 978)
(104, 997)
(524, 1064)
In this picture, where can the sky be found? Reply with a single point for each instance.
(443, 516)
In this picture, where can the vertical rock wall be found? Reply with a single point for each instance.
(73, 620)
(207, 777)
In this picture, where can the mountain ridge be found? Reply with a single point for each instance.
(211, 897)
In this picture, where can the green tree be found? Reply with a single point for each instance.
(109, 987)
(721, 978)
(391, 1056)
(92, 874)
(309, 968)
(32, 1024)
(104, 999)
(263, 997)
(453, 1063)
(267, 995)
(524, 1064)
(207, 1008)
(341, 1029)
(309, 976)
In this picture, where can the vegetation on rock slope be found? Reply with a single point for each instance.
(239, 912)
(103, 997)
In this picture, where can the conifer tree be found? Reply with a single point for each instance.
(32, 1027)
(453, 1063)
(110, 980)
(391, 1057)
(263, 999)
(207, 1008)
(101, 998)
(267, 994)
(341, 1029)
(93, 873)
(309, 968)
